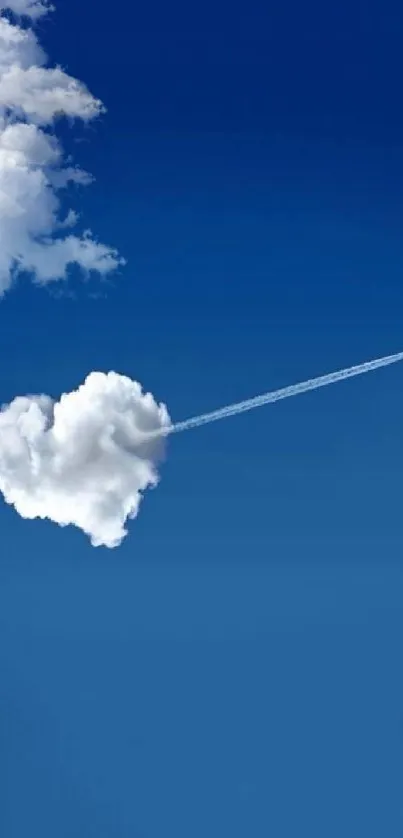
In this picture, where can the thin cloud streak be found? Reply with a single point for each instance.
(283, 393)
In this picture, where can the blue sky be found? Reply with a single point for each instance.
(233, 668)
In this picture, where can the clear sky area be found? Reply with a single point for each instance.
(233, 668)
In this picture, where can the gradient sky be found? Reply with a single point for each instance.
(234, 668)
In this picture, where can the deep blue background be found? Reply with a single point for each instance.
(235, 668)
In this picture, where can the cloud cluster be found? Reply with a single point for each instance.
(86, 459)
(34, 238)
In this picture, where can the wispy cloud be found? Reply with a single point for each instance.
(31, 8)
(34, 236)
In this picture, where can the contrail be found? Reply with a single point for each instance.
(284, 393)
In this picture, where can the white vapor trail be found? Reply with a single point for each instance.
(284, 393)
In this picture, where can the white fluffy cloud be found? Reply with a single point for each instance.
(32, 166)
(86, 459)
